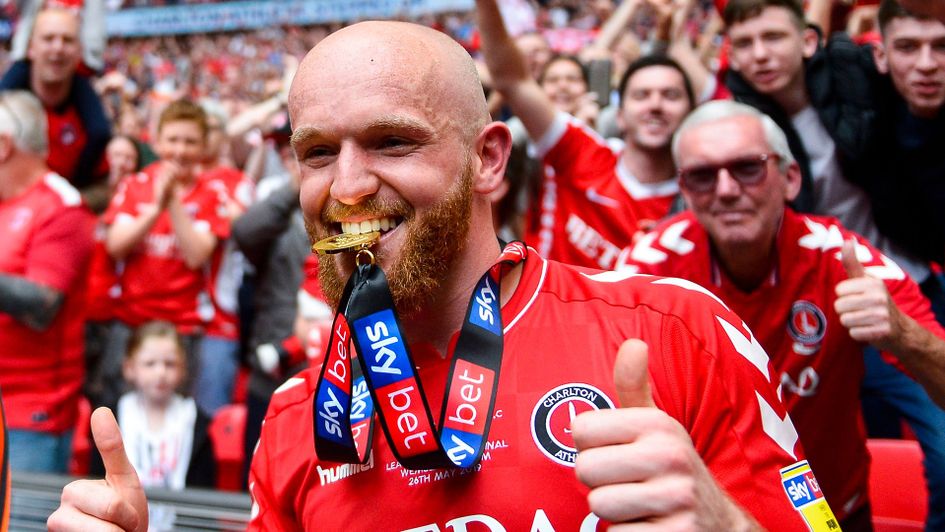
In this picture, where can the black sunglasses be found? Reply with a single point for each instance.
(748, 170)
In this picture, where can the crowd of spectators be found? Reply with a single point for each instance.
(551, 69)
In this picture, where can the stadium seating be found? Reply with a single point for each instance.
(226, 432)
(897, 486)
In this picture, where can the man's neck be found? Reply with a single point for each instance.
(438, 322)
(747, 266)
(50, 94)
(649, 166)
(793, 98)
(20, 174)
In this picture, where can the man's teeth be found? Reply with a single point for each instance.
(367, 226)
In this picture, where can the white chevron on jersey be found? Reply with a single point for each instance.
(747, 347)
(821, 237)
(782, 431)
(643, 251)
(673, 240)
(889, 270)
(612, 277)
(689, 285)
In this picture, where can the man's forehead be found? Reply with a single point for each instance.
(770, 16)
(914, 28)
(58, 21)
(656, 76)
(724, 136)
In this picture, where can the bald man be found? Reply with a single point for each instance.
(392, 135)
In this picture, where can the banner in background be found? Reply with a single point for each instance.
(229, 16)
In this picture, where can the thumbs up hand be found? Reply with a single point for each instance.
(118, 500)
(864, 305)
(640, 463)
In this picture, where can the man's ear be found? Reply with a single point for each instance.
(811, 41)
(880, 58)
(793, 179)
(493, 146)
(7, 146)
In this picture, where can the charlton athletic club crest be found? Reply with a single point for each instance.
(807, 326)
(553, 414)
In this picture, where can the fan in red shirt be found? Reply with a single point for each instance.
(219, 347)
(812, 306)
(44, 252)
(164, 224)
(595, 194)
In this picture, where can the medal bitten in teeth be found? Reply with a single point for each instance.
(354, 236)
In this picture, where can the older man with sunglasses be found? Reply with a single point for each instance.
(812, 292)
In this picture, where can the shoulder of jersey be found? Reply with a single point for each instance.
(666, 295)
(63, 189)
(295, 391)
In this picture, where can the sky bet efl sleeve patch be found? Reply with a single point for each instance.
(804, 492)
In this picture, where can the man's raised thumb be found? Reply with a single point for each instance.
(119, 473)
(850, 263)
(632, 376)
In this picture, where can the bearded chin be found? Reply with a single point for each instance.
(433, 242)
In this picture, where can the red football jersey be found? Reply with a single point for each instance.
(563, 327)
(47, 239)
(590, 205)
(66, 140)
(792, 314)
(156, 284)
(226, 265)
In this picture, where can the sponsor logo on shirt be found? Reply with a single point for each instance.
(807, 326)
(553, 414)
(803, 491)
(591, 243)
(329, 475)
(491, 524)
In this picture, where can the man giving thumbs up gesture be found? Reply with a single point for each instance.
(641, 465)
(871, 315)
(115, 503)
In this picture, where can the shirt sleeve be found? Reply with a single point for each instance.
(579, 156)
(60, 249)
(122, 201)
(212, 216)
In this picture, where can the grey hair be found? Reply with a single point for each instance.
(23, 117)
(720, 110)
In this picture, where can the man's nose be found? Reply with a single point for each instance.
(759, 51)
(926, 60)
(353, 179)
(726, 186)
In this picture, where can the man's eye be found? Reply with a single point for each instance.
(906, 46)
(394, 143)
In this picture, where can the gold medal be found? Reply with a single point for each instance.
(345, 242)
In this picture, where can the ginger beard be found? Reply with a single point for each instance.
(433, 241)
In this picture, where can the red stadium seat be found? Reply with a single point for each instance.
(898, 492)
(226, 432)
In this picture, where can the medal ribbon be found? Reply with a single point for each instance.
(385, 377)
